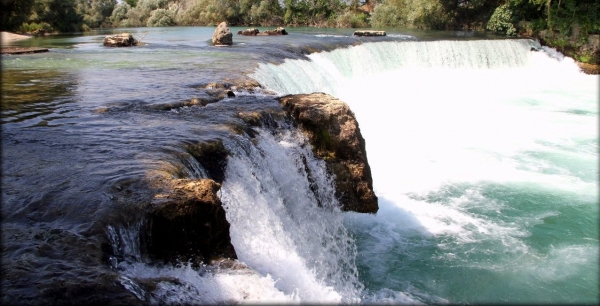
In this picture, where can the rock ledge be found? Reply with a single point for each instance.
(335, 136)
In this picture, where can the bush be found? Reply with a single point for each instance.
(351, 19)
(421, 14)
(160, 18)
(502, 21)
(386, 15)
(35, 28)
(119, 13)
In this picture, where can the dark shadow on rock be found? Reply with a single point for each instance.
(188, 224)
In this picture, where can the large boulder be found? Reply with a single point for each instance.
(188, 223)
(222, 35)
(335, 136)
(120, 40)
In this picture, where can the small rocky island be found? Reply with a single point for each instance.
(369, 33)
(256, 32)
(121, 40)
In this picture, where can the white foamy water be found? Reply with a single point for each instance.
(483, 153)
(282, 228)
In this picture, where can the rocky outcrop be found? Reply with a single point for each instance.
(222, 35)
(120, 40)
(188, 224)
(589, 68)
(335, 136)
(278, 31)
(369, 33)
(249, 32)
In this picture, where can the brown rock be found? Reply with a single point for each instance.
(222, 35)
(589, 68)
(120, 40)
(249, 32)
(278, 31)
(188, 223)
(369, 33)
(335, 136)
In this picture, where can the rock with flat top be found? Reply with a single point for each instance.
(120, 40)
(222, 35)
(369, 33)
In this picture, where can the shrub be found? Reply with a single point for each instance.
(502, 21)
(119, 13)
(33, 27)
(160, 18)
(422, 14)
(386, 15)
(351, 19)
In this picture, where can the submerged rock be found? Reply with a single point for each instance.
(120, 40)
(222, 35)
(188, 223)
(369, 33)
(335, 136)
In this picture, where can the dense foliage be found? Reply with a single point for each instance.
(55, 15)
(502, 16)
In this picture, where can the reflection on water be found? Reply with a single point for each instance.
(35, 97)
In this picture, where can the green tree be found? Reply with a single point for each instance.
(119, 13)
(96, 13)
(423, 14)
(14, 13)
(160, 18)
(60, 14)
(132, 3)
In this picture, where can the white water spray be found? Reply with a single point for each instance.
(460, 116)
(285, 220)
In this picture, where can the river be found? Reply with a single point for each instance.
(484, 156)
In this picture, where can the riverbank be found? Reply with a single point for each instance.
(8, 38)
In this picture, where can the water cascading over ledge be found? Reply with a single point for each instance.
(473, 145)
(282, 182)
(325, 71)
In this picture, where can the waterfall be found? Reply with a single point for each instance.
(286, 227)
(285, 220)
(484, 154)
(326, 71)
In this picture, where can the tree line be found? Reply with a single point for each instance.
(562, 22)
(502, 16)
